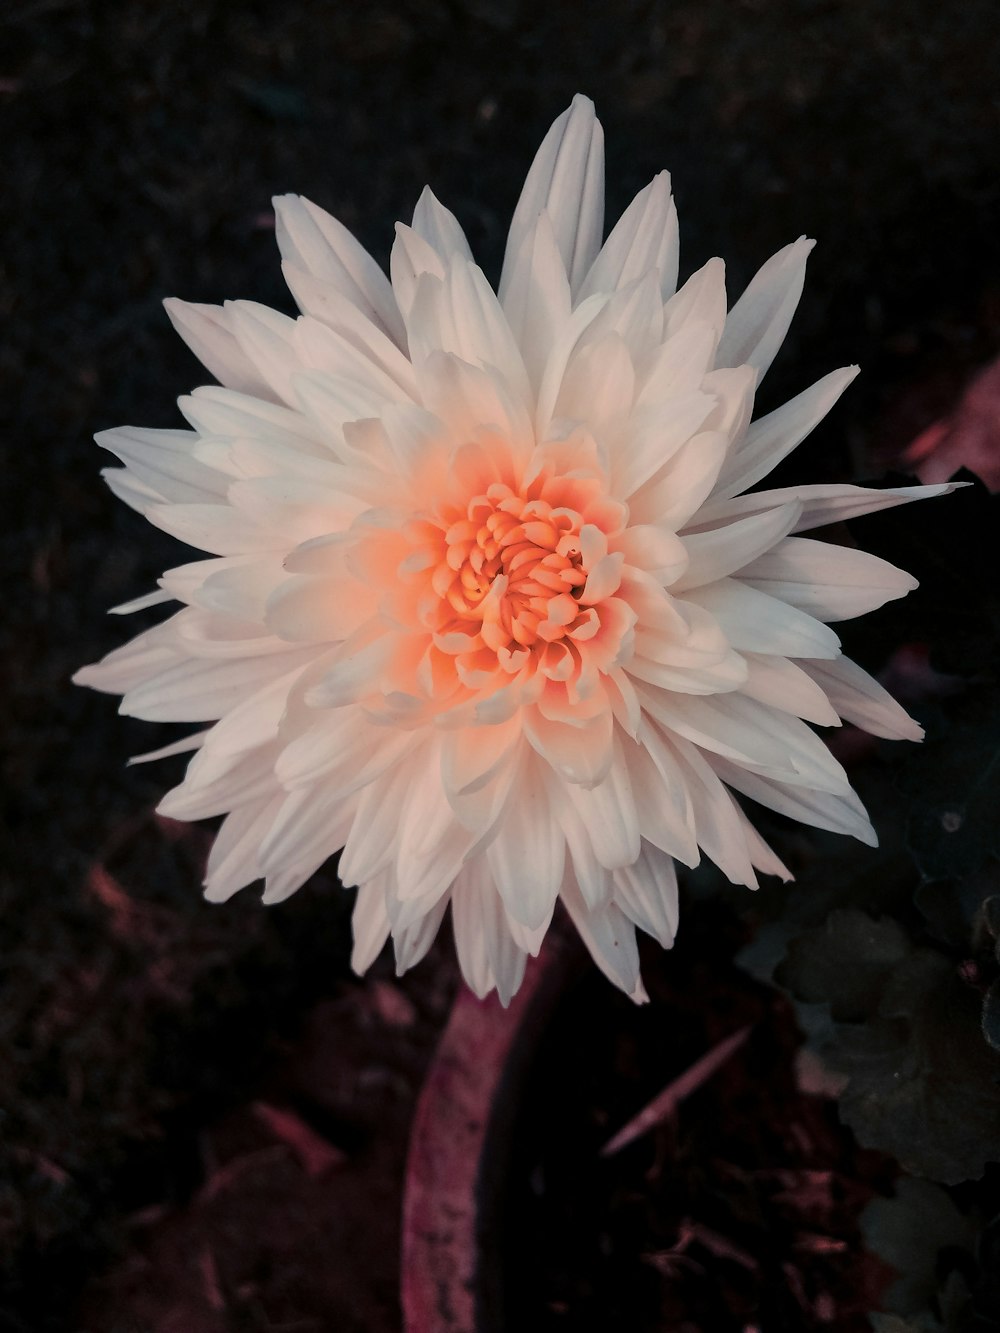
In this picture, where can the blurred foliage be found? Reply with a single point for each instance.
(893, 957)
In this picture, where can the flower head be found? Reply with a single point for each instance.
(487, 604)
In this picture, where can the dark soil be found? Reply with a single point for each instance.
(140, 142)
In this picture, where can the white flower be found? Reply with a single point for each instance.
(486, 603)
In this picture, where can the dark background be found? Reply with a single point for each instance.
(140, 145)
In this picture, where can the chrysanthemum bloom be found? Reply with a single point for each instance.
(487, 605)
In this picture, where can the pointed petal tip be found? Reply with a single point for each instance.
(866, 834)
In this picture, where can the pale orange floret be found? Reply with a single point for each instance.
(510, 571)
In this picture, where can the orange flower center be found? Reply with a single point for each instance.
(533, 549)
(509, 572)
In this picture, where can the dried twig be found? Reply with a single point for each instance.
(665, 1103)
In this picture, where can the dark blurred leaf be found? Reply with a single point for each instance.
(921, 1083)
(991, 1015)
(952, 907)
(991, 917)
(986, 1292)
(909, 1232)
(846, 962)
(893, 1323)
(953, 786)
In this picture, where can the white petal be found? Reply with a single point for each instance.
(267, 337)
(757, 324)
(734, 391)
(311, 826)
(474, 755)
(562, 349)
(234, 861)
(126, 667)
(721, 677)
(645, 237)
(702, 299)
(593, 879)
(207, 330)
(252, 723)
(678, 489)
(342, 749)
(311, 239)
(143, 603)
(659, 453)
(320, 347)
(826, 581)
(412, 943)
(750, 733)
(757, 623)
(411, 257)
(462, 315)
(325, 303)
(371, 843)
(370, 924)
(487, 952)
(526, 857)
(566, 180)
(249, 778)
(719, 823)
(654, 549)
(579, 754)
(202, 689)
(772, 438)
(319, 610)
(216, 411)
(646, 892)
(635, 313)
(663, 803)
(219, 529)
(598, 389)
(468, 398)
(136, 494)
(294, 508)
(840, 812)
(679, 367)
(762, 857)
(786, 685)
(609, 814)
(439, 227)
(860, 699)
(331, 401)
(164, 461)
(237, 585)
(537, 301)
(827, 503)
(608, 935)
(725, 550)
(185, 744)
